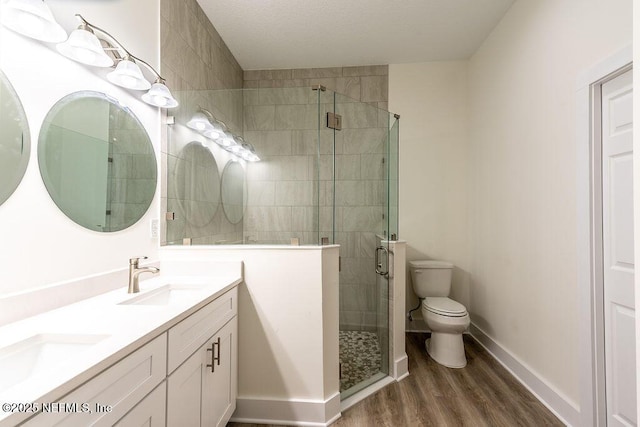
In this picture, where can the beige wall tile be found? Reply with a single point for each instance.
(369, 70)
(374, 88)
(308, 73)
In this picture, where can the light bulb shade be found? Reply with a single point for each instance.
(31, 18)
(160, 96)
(83, 46)
(227, 140)
(249, 153)
(212, 134)
(128, 75)
(201, 123)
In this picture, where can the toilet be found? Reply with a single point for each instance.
(446, 318)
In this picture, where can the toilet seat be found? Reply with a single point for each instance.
(444, 307)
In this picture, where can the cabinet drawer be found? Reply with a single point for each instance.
(121, 386)
(189, 335)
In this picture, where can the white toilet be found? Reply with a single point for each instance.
(446, 318)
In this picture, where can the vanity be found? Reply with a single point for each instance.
(162, 357)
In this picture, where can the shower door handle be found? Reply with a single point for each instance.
(379, 263)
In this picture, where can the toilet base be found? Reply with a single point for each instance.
(446, 349)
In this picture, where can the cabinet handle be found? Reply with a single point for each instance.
(215, 356)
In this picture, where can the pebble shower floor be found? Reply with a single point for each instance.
(359, 357)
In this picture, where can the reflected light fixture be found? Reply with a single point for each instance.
(205, 123)
(200, 122)
(249, 153)
(227, 140)
(31, 18)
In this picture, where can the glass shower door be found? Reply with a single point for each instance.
(361, 203)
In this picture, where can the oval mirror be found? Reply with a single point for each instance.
(234, 192)
(15, 143)
(97, 161)
(197, 184)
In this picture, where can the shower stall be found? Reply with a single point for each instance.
(294, 166)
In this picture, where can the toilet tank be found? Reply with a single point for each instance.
(431, 278)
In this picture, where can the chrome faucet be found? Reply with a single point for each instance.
(135, 271)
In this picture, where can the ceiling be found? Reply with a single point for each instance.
(277, 34)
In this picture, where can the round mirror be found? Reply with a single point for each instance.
(234, 192)
(15, 142)
(197, 184)
(97, 161)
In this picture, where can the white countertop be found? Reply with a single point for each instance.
(118, 329)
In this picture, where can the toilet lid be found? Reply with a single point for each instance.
(444, 306)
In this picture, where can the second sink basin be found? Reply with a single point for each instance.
(164, 295)
(39, 355)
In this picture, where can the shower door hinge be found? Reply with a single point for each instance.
(339, 370)
(339, 263)
(334, 121)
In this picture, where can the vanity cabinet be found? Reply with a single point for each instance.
(107, 397)
(151, 412)
(186, 376)
(202, 391)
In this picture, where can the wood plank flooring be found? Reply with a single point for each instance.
(481, 394)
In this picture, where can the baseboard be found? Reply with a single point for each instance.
(287, 412)
(401, 368)
(565, 410)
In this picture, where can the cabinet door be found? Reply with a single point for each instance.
(203, 390)
(148, 413)
(220, 384)
(184, 391)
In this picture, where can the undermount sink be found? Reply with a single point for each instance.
(39, 354)
(164, 295)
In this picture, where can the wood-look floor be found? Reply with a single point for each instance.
(481, 394)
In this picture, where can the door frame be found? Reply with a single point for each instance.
(589, 233)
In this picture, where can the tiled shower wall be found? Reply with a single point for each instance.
(281, 117)
(196, 63)
(278, 114)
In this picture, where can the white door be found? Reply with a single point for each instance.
(617, 214)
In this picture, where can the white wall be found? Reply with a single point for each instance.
(40, 245)
(287, 329)
(636, 185)
(432, 99)
(514, 159)
(522, 81)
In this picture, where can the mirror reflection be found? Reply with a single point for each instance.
(234, 193)
(14, 140)
(97, 161)
(197, 184)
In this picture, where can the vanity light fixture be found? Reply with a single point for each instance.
(91, 45)
(128, 75)
(83, 46)
(159, 95)
(31, 18)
